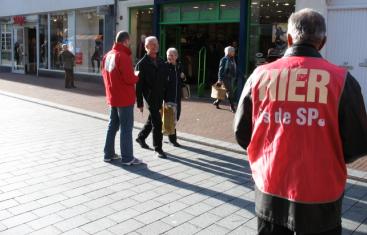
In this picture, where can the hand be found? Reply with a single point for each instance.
(136, 72)
(141, 109)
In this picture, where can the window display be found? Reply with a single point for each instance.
(141, 26)
(268, 30)
(6, 44)
(43, 42)
(89, 41)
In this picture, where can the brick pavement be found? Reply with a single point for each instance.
(198, 116)
(53, 181)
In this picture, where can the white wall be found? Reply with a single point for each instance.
(123, 10)
(22, 7)
(318, 5)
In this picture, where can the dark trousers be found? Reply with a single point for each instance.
(267, 228)
(154, 123)
(69, 77)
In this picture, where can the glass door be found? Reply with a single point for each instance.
(19, 50)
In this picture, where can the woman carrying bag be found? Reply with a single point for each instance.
(227, 75)
(174, 89)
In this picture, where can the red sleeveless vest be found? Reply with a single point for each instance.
(296, 149)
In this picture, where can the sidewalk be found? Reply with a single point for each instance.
(54, 181)
(198, 116)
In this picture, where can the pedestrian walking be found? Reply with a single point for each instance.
(119, 81)
(68, 61)
(227, 75)
(152, 84)
(174, 88)
(301, 119)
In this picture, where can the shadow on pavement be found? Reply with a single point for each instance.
(144, 171)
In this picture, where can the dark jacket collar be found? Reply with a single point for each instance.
(302, 50)
(120, 47)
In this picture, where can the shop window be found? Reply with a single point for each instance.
(6, 48)
(43, 42)
(141, 26)
(61, 32)
(229, 10)
(268, 30)
(89, 45)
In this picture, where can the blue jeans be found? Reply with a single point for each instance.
(122, 117)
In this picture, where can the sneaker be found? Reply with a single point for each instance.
(115, 157)
(160, 154)
(142, 143)
(135, 161)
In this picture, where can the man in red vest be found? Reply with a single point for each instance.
(301, 119)
(119, 80)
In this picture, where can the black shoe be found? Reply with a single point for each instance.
(233, 109)
(142, 143)
(73, 86)
(160, 154)
(216, 104)
(176, 144)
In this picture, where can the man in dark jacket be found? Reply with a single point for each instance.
(153, 77)
(119, 81)
(301, 118)
(68, 61)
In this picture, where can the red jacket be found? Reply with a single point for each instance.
(118, 76)
(295, 150)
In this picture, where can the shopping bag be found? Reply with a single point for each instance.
(169, 119)
(186, 91)
(218, 91)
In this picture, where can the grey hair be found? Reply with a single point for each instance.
(228, 49)
(307, 26)
(150, 39)
(172, 49)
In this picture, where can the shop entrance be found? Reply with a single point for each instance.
(201, 46)
(24, 50)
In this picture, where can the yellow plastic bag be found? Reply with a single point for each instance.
(169, 119)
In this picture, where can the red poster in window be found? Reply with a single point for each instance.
(19, 20)
(79, 58)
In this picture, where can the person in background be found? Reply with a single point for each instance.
(68, 61)
(174, 87)
(227, 75)
(119, 80)
(152, 85)
(301, 119)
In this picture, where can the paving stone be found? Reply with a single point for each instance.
(150, 217)
(18, 230)
(177, 218)
(157, 227)
(19, 219)
(123, 215)
(71, 223)
(198, 209)
(98, 225)
(126, 227)
(213, 229)
(205, 220)
(45, 221)
(74, 211)
(50, 230)
(185, 228)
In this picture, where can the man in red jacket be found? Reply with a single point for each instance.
(119, 81)
(301, 119)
